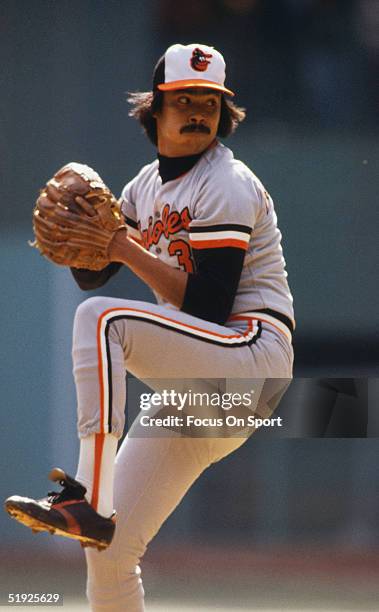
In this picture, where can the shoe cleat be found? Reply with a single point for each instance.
(66, 513)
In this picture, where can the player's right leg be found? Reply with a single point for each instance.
(151, 478)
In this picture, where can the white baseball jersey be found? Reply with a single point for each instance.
(218, 203)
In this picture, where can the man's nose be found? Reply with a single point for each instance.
(195, 118)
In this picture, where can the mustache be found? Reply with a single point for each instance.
(195, 127)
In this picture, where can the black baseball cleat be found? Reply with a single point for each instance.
(66, 513)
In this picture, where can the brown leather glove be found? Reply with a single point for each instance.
(75, 218)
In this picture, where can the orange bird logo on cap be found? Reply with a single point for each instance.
(199, 60)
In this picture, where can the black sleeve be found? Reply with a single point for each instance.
(90, 279)
(211, 290)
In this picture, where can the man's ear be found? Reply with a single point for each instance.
(158, 103)
(156, 113)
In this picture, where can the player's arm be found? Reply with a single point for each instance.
(223, 216)
(169, 282)
(219, 251)
(211, 290)
(207, 293)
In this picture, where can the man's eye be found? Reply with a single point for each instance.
(211, 102)
(183, 100)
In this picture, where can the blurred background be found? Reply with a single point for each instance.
(283, 523)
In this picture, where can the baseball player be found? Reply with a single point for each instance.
(202, 233)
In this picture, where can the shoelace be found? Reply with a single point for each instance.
(55, 496)
(68, 492)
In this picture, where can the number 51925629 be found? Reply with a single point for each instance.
(35, 598)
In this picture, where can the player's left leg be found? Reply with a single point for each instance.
(154, 473)
(150, 341)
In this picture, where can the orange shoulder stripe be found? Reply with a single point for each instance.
(216, 244)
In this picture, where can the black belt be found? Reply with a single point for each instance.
(277, 315)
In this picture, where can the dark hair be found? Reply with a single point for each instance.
(146, 104)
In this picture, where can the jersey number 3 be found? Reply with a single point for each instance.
(181, 249)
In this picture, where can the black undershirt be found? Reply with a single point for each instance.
(170, 168)
(211, 289)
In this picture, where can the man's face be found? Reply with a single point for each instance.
(188, 121)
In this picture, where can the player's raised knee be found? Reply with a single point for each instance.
(92, 307)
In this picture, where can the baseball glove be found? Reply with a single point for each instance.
(75, 218)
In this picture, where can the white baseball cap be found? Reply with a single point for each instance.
(194, 65)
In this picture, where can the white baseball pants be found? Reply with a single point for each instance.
(112, 336)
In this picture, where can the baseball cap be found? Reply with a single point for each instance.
(193, 65)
